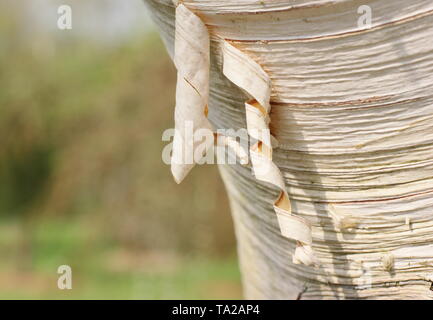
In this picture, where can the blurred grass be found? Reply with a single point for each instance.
(103, 271)
(82, 181)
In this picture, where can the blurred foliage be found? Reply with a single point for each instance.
(102, 270)
(81, 173)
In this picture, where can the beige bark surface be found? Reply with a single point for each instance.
(352, 112)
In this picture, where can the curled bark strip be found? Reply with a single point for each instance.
(247, 74)
(258, 118)
(191, 57)
(250, 76)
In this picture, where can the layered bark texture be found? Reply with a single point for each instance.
(350, 193)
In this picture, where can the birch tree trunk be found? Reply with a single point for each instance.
(351, 106)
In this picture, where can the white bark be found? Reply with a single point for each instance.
(352, 110)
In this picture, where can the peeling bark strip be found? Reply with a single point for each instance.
(191, 57)
(352, 111)
(249, 76)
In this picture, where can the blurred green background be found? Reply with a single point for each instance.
(82, 182)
